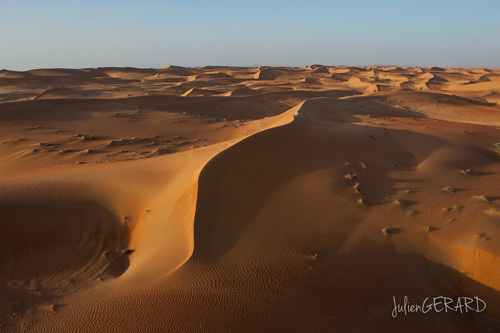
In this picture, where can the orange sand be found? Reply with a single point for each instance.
(247, 199)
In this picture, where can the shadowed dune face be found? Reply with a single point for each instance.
(281, 201)
(51, 249)
(294, 172)
(40, 242)
(244, 199)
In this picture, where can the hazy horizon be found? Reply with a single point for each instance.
(251, 66)
(154, 34)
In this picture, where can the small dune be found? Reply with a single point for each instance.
(492, 212)
(267, 73)
(57, 93)
(481, 198)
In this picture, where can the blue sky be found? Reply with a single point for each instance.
(151, 33)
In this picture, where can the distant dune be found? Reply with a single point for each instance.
(248, 199)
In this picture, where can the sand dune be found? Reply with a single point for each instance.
(57, 93)
(267, 73)
(247, 199)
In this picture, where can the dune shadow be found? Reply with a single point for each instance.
(238, 183)
(49, 249)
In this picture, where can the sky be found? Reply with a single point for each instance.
(153, 33)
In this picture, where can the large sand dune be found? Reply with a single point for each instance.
(247, 199)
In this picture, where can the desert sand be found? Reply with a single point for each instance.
(247, 199)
